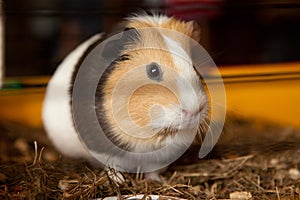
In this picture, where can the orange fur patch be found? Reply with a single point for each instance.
(144, 98)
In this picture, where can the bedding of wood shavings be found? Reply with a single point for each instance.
(251, 161)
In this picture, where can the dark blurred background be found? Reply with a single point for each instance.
(40, 33)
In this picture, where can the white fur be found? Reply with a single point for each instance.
(57, 116)
(188, 86)
(155, 19)
(187, 78)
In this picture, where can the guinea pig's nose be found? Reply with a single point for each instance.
(191, 114)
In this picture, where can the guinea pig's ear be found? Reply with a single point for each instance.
(194, 30)
(114, 48)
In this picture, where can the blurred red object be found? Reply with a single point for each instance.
(193, 9)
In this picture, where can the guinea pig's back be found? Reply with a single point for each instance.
(57, 116)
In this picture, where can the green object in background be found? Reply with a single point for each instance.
(12, 84)
(16, 84)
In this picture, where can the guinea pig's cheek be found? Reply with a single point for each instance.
(146, 99)
(138, 112)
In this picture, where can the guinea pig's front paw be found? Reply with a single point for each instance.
(154, 176)
(115, 176)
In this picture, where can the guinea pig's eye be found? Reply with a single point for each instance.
(154, 71)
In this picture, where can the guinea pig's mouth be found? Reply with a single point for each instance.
(188, 122)
(177, 119)
(199, 130)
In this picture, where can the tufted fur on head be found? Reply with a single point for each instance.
(159, 107)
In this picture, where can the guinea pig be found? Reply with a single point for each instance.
(165, 97)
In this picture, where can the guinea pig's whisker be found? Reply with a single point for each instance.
(201, 130)
(199, 135)
(212, 123)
